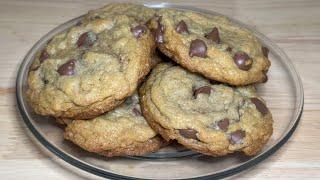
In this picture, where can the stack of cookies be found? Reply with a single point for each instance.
(94, 78)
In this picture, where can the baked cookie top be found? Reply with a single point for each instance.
(211, 45)
(122, 131)
(138, 12)
(93, 66)
(214, 119)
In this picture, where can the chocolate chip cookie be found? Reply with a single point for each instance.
(211, 45)
(213, 119)
(92, 67)
(122, 131)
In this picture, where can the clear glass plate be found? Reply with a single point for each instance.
(174, 162)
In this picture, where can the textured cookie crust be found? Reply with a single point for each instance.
(122, 131)
(138, 12)
(94, 66)
(211, 45)
(213, 119)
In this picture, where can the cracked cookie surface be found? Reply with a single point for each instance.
(211, 45)
(92, 67)
(213, 119)
(122, 131)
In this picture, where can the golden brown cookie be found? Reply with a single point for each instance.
(213, 119)
(122, 131)
(211, 45)
(92, 67)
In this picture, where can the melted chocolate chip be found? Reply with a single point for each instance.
(188, 133)
(198, 48)
(43, 56)
(237, 136)
(223, 124)
(242, 60)
(182, 27)
(87, 39)
(159, 35)
(203, 90)
(138, 30)
(136, 111)
(265, 51)
(261, 107)
(45, 81)
(213, 35)
(67, 69)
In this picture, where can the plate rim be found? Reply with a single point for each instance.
(102, 173)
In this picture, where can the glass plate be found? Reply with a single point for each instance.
(174, 162)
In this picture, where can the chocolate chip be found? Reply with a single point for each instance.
(136, 111)
(182, 27)
(45, 81)
(198, 48)
(229, 49)
(265, 51)
(188, 133)
(203, 90)
(158, 33)
(242, 60)
(43, 56)
(213, 35)
(223, 124)
(237, 136)
(262, 108)
(87, 39)
(138, 30)
(67, 69)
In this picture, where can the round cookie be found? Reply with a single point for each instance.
(211, 45)
(92, 67)
(122, 131)
(213, 119)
